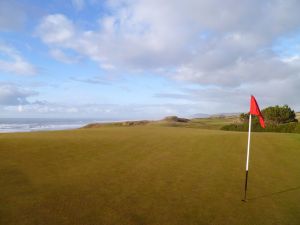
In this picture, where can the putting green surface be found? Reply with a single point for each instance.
(148, 175)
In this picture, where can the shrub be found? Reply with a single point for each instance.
(274, 115)
(279, 114)
(293, 127)
(175, 119)
(278, 119)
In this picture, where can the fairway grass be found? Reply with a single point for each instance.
(148, 175)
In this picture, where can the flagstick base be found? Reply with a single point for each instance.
(246, 186)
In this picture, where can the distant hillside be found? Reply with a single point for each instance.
(224, 115)
(203, 115)
(199, 115)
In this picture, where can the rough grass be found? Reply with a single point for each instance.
(298, 116)
(203, 123)
(148, 175)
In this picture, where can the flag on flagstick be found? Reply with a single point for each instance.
(254, 110)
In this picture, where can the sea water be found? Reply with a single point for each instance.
(8, 125)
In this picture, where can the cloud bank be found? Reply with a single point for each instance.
(228, 49)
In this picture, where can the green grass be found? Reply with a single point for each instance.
(148, 175)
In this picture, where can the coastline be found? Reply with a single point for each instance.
(21, 125)
(17, 125)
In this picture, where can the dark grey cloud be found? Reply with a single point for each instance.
(255, 69)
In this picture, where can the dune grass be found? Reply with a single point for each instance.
(211, 123)
(148, 175)
(298, 115)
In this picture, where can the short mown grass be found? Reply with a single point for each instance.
(148, 175)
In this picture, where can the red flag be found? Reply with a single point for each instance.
(254, 110)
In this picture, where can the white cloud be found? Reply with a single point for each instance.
(14, 95)
(56, 29)
(147, 34)
(59, 55)
(13, 62)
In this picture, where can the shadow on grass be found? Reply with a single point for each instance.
(275, 193)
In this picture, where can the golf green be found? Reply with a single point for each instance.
(148, 175)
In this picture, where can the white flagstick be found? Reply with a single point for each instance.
(248, 147)
(247, 161)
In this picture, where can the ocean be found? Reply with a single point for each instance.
(8, 125)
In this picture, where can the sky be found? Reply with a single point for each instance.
(146, 59)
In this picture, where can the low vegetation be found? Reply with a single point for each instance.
(125, 123)
(280, 128)
(175, 119)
